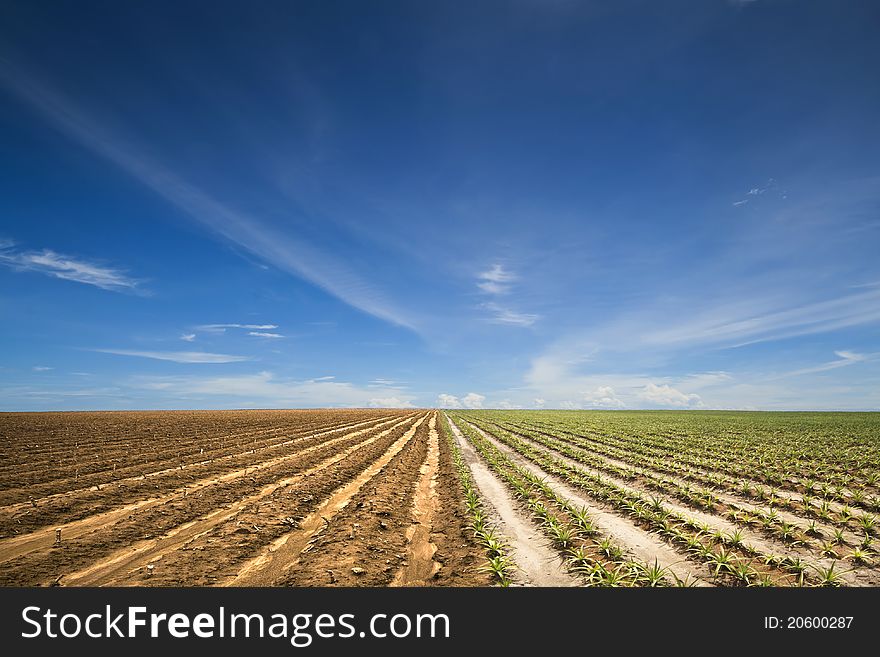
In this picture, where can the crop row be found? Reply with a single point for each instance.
(570, 529)
(730, 472)
(706, 499)
(498, 560)
(731, 559)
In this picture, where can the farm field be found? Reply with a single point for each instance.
(698, 498)
(231, 498)
(420, 497)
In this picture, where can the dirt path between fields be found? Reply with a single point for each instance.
(132, 558)
(537, 563)
(641, 544)
(283, 553)
(17, 546)
(420, 565)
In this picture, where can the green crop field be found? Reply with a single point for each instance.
(693, 498)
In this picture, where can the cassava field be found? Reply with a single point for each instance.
(369, 497)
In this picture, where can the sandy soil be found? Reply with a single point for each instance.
(641, 544)
(538, 564)
(420, 565)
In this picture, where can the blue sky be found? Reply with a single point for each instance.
(497, 204)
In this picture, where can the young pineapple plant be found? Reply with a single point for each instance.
(722, 561)
(860, 556)
(501, 568)
(829, 576)
(867, 522)
(651, 576)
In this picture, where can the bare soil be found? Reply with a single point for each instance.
(246, 489)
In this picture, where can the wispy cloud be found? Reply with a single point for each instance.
(66, 267)
(732, 329)
(263, 334)
(276, 247)
(844, 359)
(702, 380)
(176, 356)
(220, 328)
(502, 315)
(188, 337)
(42, 368)
(769, 186)
(265, 389)
(495, 280)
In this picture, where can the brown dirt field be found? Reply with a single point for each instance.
(243, 488)
(368, 544)
(63, 451)
(216, 544)
(34, 559)
(60, 508)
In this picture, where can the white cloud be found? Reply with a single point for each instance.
(496, 281)
(562, 378)
(666, 395)
(770, 185)
(492, 288)
(264, 389)
(603, 397)
(739, 325)
(507, 405)
(539, 402)
(850, 356)
(220, 328)
(497, 274)
(67, 268)
(276, 246)
(493, 281)
(390, 402)
(845, 358)
(176, 356)
(188, 337)
(501, 315)
(470, 400)
(324, 378)
(565, 370)
(448, 401)
(473, 400)
(706, 380)
(42, 368)
(383, 382)
(263, 334)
